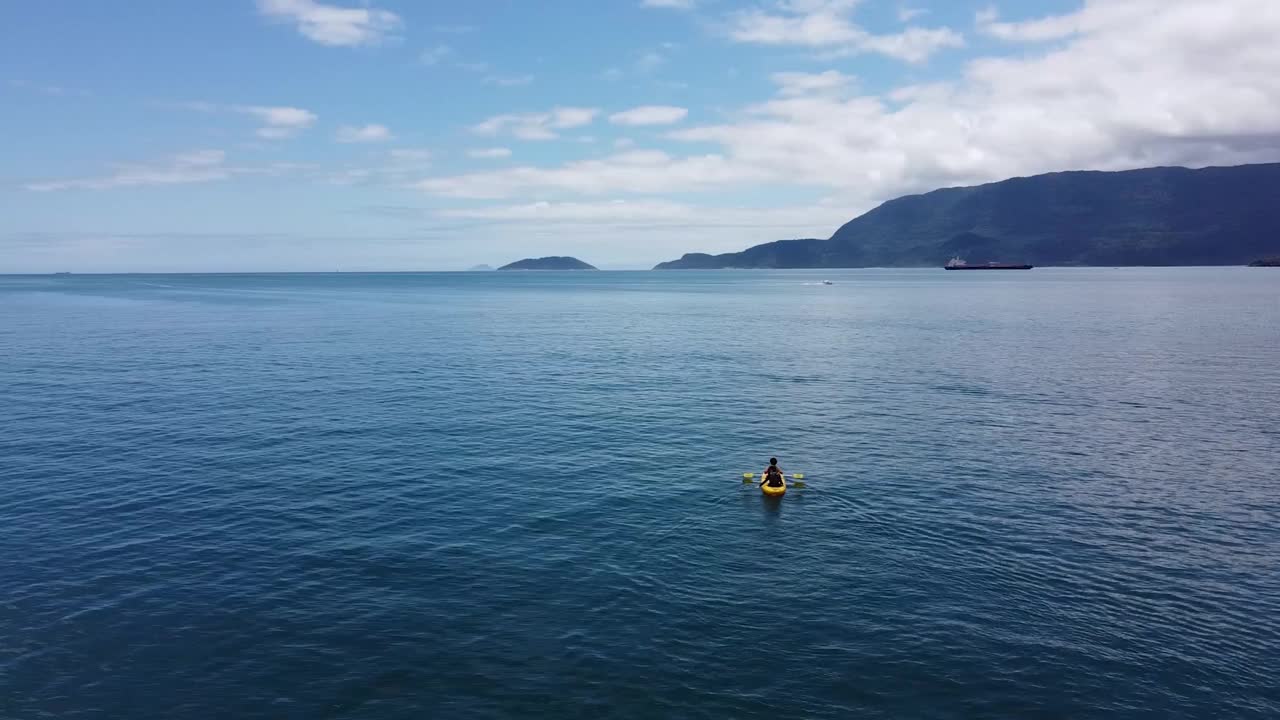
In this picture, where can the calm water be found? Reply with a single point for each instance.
(1050, 494)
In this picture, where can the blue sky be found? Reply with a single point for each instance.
(184, 135)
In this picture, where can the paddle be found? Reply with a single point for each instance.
(795, 479)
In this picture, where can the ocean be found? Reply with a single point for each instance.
(1042, 494)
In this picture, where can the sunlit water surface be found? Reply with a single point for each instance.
(1044, 494)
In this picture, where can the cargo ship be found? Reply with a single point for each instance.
(959, 264)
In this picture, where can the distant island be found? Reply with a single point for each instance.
(480, 268)
(1266, 262)
(548, 263)
(1156, 216)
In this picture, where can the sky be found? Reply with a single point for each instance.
(321, 135)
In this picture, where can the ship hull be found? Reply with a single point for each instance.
(991, 267)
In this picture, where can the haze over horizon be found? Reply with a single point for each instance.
(273, 135)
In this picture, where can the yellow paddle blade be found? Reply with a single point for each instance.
(798, 476)
(748, 476)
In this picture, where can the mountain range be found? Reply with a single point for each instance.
(1153, 216)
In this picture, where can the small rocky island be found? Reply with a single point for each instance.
(548, 263)
(479, 268)
(1266, 262)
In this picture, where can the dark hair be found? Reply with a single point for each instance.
(773, 461)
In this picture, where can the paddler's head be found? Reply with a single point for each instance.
(773, 462)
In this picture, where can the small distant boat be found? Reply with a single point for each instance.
(827, 282)
(956, 263)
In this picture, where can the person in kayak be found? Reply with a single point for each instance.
(772, 475)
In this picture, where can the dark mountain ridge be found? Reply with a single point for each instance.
(1154, 216)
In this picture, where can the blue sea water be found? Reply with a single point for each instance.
(1044, 494)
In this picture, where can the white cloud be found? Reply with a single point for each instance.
(1142, 82)
(907, 14)
(190, 167)
(52, 90)
(645, 63)
(435, 55)
(650, 115)
(636, 171)
(799, 83)
(673, 4)
(654, 212)
(363, 134)
(492, 153)
(537, 126)
(332, 24)
(350, 176)
(1095, 15)
(414, 156)
(913, 45)
(650, 61)
(826, 25)
(1147, 82)
(441, 55)
(508, 80)
(649, 212)
(400, 167)
(278, 122)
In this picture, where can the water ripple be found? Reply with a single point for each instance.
(490, 496)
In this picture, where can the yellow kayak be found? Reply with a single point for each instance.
(778, 491)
